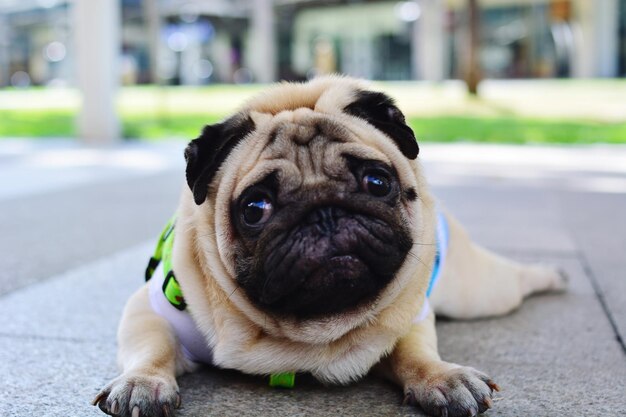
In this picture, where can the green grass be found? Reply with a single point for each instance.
(516, 130)
(186, 126)
(36, 123)
(525, 112)
(60, 123)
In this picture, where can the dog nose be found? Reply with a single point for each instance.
(325, 219)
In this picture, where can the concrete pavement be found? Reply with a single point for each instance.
(79, 224)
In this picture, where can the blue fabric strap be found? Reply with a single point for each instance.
(442, 236)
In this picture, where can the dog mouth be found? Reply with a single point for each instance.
(341, 282)
(345, 268)
(318, 268)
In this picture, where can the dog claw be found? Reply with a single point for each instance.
(409, 398)
(98, 398)
(493, 386)
(167, 412)
(178, 401)
(102, 405)
(135, 412)
(115, 407)
(488, 402)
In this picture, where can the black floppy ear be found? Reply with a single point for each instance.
(380, 110)
(206, 154)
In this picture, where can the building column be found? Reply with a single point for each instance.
(4, 51)
(597, 38)
(262, 45)
(152, 19)
(97, 43)
(429, 42)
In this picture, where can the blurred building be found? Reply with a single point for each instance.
(193, 42)
(34, 39)
(428, 39)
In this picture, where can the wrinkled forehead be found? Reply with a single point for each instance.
(323, 95)
(306, 147)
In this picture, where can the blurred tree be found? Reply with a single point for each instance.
(152, 19)
(472, 70)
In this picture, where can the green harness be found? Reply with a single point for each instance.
(163, 252)
(174, 294)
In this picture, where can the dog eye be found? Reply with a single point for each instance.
(376, 183)
(257, 210)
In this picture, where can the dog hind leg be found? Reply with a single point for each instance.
(476, 283)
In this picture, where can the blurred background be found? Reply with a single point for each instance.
(102, 70)
(98, 99)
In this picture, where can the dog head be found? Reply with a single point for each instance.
(310, 201)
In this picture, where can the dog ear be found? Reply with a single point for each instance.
(379, 110)
(206, 154)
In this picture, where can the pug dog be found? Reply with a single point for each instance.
(308, 241)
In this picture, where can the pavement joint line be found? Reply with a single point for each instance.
(538, 253)
(87, 264)
(49, 338)
(51, 278)
(104, 180)
(27, 285)
(602, 299)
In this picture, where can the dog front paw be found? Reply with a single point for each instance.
(135, 394)
(456, 391)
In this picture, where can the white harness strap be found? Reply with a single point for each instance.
(193, 343)
(423, 313)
